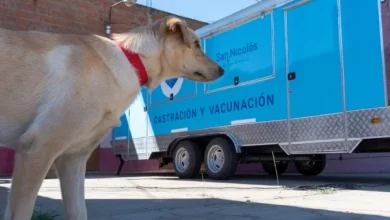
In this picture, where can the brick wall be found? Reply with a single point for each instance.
(75, 16)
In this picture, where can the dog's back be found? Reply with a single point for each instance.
(32, 63)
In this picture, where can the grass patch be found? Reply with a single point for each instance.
(327, 190)
(44, 215)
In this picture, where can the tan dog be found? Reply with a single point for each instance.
(61, 94)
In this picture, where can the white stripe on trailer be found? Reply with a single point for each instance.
(121, 138)
(179, 130)
(238, 17)
(324, 141)
(243, 121)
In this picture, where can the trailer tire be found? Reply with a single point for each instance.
(187, 159)
(269, 167)
(313, 167)
(220, 159)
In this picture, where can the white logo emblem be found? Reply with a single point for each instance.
(171, 86)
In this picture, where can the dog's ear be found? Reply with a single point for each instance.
(173, 25)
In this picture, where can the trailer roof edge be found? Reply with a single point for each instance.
(239, 15)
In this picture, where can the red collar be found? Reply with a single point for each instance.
(136, 61)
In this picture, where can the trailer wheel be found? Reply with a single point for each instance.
(220, 159)
(187, 160)
(312, 167)
(269, 167)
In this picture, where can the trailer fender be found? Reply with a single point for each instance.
(227, 135)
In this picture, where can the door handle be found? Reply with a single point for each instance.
(291, 76)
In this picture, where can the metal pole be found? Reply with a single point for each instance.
(128, 3)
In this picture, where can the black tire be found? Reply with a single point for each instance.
(195, 160)
(313, 167)
(269, 167)
(230, 160)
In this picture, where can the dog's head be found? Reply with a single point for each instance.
(182, 52)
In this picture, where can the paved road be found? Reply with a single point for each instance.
(244, 197)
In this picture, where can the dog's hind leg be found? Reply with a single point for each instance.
(30, 169)
(45, 139)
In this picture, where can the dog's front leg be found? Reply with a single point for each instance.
(71, 170)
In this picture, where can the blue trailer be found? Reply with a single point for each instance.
(304, 78)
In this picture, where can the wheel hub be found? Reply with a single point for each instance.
(215, 158)
(182, 160)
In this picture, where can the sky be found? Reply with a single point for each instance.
(203, 10)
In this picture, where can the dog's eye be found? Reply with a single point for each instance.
(197, 45)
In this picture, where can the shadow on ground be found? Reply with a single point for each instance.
(208, 208)
(366, 182)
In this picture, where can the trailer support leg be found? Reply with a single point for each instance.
(120, 165)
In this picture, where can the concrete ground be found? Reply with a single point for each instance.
(243, 197)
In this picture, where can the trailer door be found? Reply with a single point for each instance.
(313, 58)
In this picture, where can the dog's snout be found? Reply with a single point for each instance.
(221, 71)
